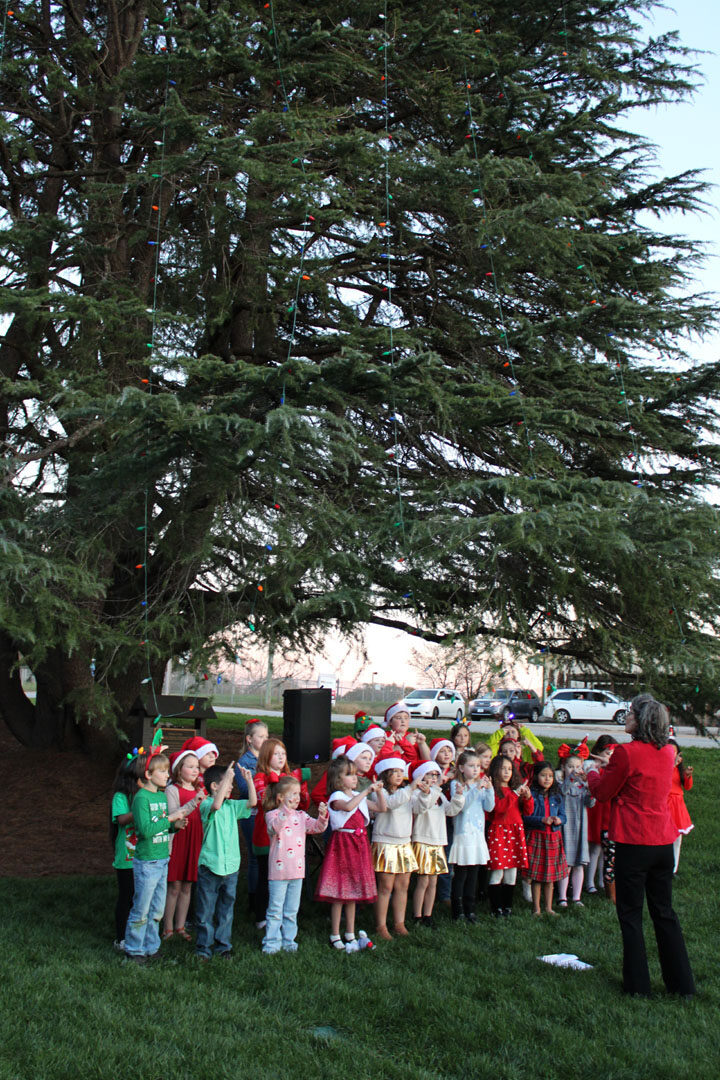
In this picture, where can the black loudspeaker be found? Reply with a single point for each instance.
(306, 724)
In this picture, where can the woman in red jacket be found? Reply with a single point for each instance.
(637, 779)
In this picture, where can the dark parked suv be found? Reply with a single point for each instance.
(520, 704)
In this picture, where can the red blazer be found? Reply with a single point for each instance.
(638, 781)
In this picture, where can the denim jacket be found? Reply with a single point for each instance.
(557, 809)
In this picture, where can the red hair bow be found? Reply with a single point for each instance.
(581, 750)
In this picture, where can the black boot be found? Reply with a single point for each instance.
(495, 898)
(482, 882)
(507, 898)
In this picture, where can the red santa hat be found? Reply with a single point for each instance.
(384, 764)
(359, 748)
(393, 710)
(423, 768)
(437, 744)
(341, 746)
(199, 746)
(179, 755)
(373, 733)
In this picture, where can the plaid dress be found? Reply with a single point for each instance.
(546, 855)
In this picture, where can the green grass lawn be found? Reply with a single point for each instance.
(458, 1002)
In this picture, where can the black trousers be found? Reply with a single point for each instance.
(262, 894)
(642, 871)
(126, 889)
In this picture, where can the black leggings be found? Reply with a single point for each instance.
(126, 888)
(464, 890)
(261, 889)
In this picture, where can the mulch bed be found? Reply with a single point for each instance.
(56, 808)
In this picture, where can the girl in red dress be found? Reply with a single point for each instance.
(186, 844)
(598, 814)
(506, 835)
(347, 875)
(682, 780)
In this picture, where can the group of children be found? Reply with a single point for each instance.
(466, 820)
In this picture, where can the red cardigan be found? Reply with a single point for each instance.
(260, 838)
(638, 782)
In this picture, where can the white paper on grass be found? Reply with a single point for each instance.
(566, 960)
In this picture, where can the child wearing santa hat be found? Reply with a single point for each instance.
(205, 751)
(185, 845)
(411, 746)
(392, 852)
(376, 738)
(339, 746)
(429, 837)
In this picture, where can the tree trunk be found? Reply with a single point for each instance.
(16, 709)
(59, 717)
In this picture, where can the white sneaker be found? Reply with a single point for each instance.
(119, 946)
(261, 925)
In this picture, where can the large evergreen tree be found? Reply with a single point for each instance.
(317, 313)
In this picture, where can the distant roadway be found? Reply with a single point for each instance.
(685, 736)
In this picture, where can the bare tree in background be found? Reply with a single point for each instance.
(469, 669)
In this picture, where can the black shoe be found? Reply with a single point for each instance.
(417, 920)
(427, 920)
(459, 917)
(506, 912)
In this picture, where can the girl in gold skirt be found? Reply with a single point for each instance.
(429, 837)
(393, 858)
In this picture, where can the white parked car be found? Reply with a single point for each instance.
(431, 704)
(584, 703)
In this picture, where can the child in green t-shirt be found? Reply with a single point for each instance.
(219, 859)
(122, 837)
(152, 854)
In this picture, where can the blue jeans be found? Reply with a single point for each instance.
(214, 906)
(283, 905)
(142, 933)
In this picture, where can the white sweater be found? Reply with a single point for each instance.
(430, 826)
(394, 826)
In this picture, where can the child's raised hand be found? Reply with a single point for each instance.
(419, 736)
(376, 786)
(459, 787)
(422, 785)
(689, 770)
(323, 812)
(411, 737)
(245, 773)
(485, 781)
(523, 791)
